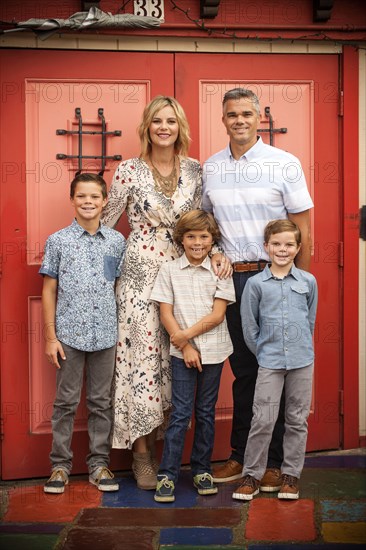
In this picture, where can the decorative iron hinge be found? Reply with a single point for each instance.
(271, 130)
(80, 133)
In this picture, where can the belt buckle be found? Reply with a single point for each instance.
(244, 267)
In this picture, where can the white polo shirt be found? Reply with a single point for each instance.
(265, 184)
(191, 290)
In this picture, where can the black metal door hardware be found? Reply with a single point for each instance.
(80, 133)
(271, 130)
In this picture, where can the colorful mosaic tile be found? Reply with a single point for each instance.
(31, 504)
(289, 521)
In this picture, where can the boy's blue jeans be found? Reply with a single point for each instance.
(69, 381)
(191, 388)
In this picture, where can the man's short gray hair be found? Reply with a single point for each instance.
(239, 93)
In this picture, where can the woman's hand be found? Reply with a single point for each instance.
(221, 265)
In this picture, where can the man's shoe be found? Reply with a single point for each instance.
(290, 488)
(271, 481)
(57, 481)
(204, 484)
(230, 471)
(164, 489)
(103, 479)
(248, 489)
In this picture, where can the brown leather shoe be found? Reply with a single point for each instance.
(248, 489)
(271, 481)
(230, 471)
(290, 488)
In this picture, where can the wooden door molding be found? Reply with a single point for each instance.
(40, 90)
(303, 94)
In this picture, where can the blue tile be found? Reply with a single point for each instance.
(129, 496)
(336, 511)
(203, 536)
(339, 461)
(288, 546)
(223, 499)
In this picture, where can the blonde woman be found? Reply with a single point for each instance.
(155, 189)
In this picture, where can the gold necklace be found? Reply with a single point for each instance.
(165, 184)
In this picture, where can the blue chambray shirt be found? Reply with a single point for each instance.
(85, 267)
(278, 318)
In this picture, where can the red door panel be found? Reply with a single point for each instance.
(302, 92)
(40, 91)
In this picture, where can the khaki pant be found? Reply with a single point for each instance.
(268, 390)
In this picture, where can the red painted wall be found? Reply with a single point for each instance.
(283, 19)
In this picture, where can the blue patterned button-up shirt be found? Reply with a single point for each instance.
(85, 267)
(278, 318)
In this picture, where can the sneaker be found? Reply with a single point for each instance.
(204, 484)
(164, 489)
(290, 488)
(56, 483)
(271, 481)
(103, 479)
(230, 471)
(248, 489)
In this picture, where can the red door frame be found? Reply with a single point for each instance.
(349, 276)
(350, 203)
(350, 356)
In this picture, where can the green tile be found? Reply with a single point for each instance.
(320, 484)
(28, 542)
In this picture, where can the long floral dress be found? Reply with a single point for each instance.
(142, 383)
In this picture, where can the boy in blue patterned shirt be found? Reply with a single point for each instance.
(80, 266)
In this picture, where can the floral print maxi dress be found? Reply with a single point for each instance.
(142, 383)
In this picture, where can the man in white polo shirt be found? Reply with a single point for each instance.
(246, 185)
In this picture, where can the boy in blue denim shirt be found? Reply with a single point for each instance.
(80, 266)
(278, 310)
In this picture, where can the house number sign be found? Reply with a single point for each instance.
(152, 8)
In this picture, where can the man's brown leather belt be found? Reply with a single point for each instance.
(249, 266)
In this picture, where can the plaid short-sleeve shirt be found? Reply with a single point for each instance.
(191, 290)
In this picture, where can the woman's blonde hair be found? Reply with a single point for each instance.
(159, 102)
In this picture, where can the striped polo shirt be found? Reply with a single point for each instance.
(191, 290)
(265, 184)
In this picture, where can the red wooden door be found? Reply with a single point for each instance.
(40, 91)
(302, 93)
